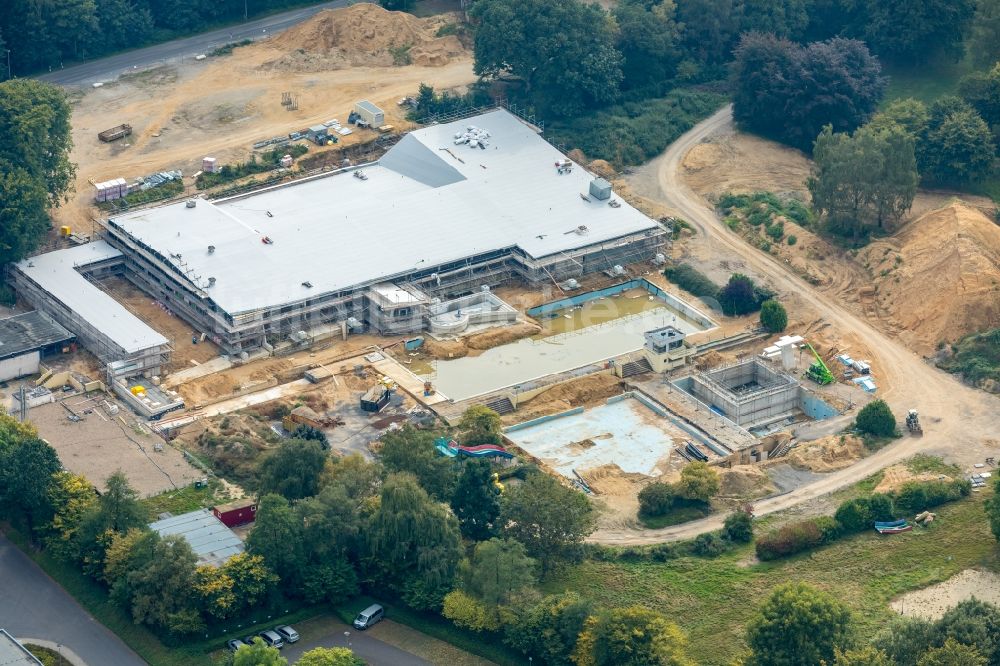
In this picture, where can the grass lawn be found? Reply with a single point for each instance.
(181, 500)
(927, 82)
(712, 599)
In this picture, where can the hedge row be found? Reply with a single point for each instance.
(858, 515)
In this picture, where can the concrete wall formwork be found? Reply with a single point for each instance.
(749, 392)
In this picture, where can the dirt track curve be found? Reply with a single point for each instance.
(956, 417)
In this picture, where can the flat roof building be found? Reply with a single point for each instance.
(448, 209)
(12, 653)
(210, 539)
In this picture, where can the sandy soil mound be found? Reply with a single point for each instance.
(583, 391)
(440, 349)
(895, 476)
(932, 602)
(745, 482)
(363, 34)
(939, 278)
(827, 454)
(494, 337)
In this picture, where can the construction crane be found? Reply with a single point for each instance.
(818, 372)
(913, 423)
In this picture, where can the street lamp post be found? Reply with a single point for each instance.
(10, 72)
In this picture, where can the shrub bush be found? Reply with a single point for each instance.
(876, 419)
(776, 231)
(738, 527)
(917, 496)
(657, 499)
(859, 514)
(773, 316)
(709, 544)
(792, 239)
(692, 281)
(789, 540)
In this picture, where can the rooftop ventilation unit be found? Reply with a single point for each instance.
(600, 189)
(211, 282)
(485, 288)
(211, 249)
(191, 203)
(307, 284)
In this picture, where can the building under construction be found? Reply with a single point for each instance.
(449, 210)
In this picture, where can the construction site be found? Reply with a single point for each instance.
(467, 262)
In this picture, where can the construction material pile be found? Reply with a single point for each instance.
(364, 35)
(939, 279)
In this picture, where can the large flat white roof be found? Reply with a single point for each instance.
(428, 202)
(56, 272)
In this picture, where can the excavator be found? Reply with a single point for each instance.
(818, 372)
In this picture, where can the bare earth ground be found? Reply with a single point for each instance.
(172, 327)
(932, 602)
(221, 106)
(959, 419)
(101, 444)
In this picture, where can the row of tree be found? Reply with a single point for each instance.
(35, 171)
(42, 36)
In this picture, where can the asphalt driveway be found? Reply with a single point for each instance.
(32, 605)
(373, 651)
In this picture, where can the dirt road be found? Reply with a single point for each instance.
(957, 419)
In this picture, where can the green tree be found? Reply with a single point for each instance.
(876, 419)
(476, 501)
(863, 180)
(321, 656)
(984, 39)
(738, 527)
(904, 639)
(35, 133)
(982, 91)
(156, 588)
(293, 470)
(992, 506)
(915, 30)
(117, 511)
(910, 114)
(957, 146)
(952, 653)
(252, 580)
(647, 38)
(258, 654)
(563, 51)
(480, 425)
(657, 498)
(411, 450)
(698, 482)
(773, 316)
(784, 18)
(974, 623)
(866, 656)
(633, 636)
(416, 542)
(72, 497)
(331, 526)
(798, 626)
(549, 628)
(308, 432)
(497, 572)
(24, 218)
(550, 519)
(27, 466)
(277, 537)
(739, 296)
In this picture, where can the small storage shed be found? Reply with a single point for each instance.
(303, 416)
(375, 399)
(27, 338)
(370, 115)
(318, 134)
(236, 513)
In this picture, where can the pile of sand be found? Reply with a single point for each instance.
(364, 35)
(443, 349)
(827, 454)
(939, 279)
(932, 602)
(583, 391)
(895, 476)
(745, 482)
(494, 337)
(610, 479)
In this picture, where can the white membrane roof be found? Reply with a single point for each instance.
(428, 202)
(56, 272)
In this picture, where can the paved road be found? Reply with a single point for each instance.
(107, 69)
(373, 651)
(32, 605)
(957, 419)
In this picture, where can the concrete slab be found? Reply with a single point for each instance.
(625, 433)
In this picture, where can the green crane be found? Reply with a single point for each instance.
(818, 372)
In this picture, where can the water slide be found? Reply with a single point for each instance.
(452, 449)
